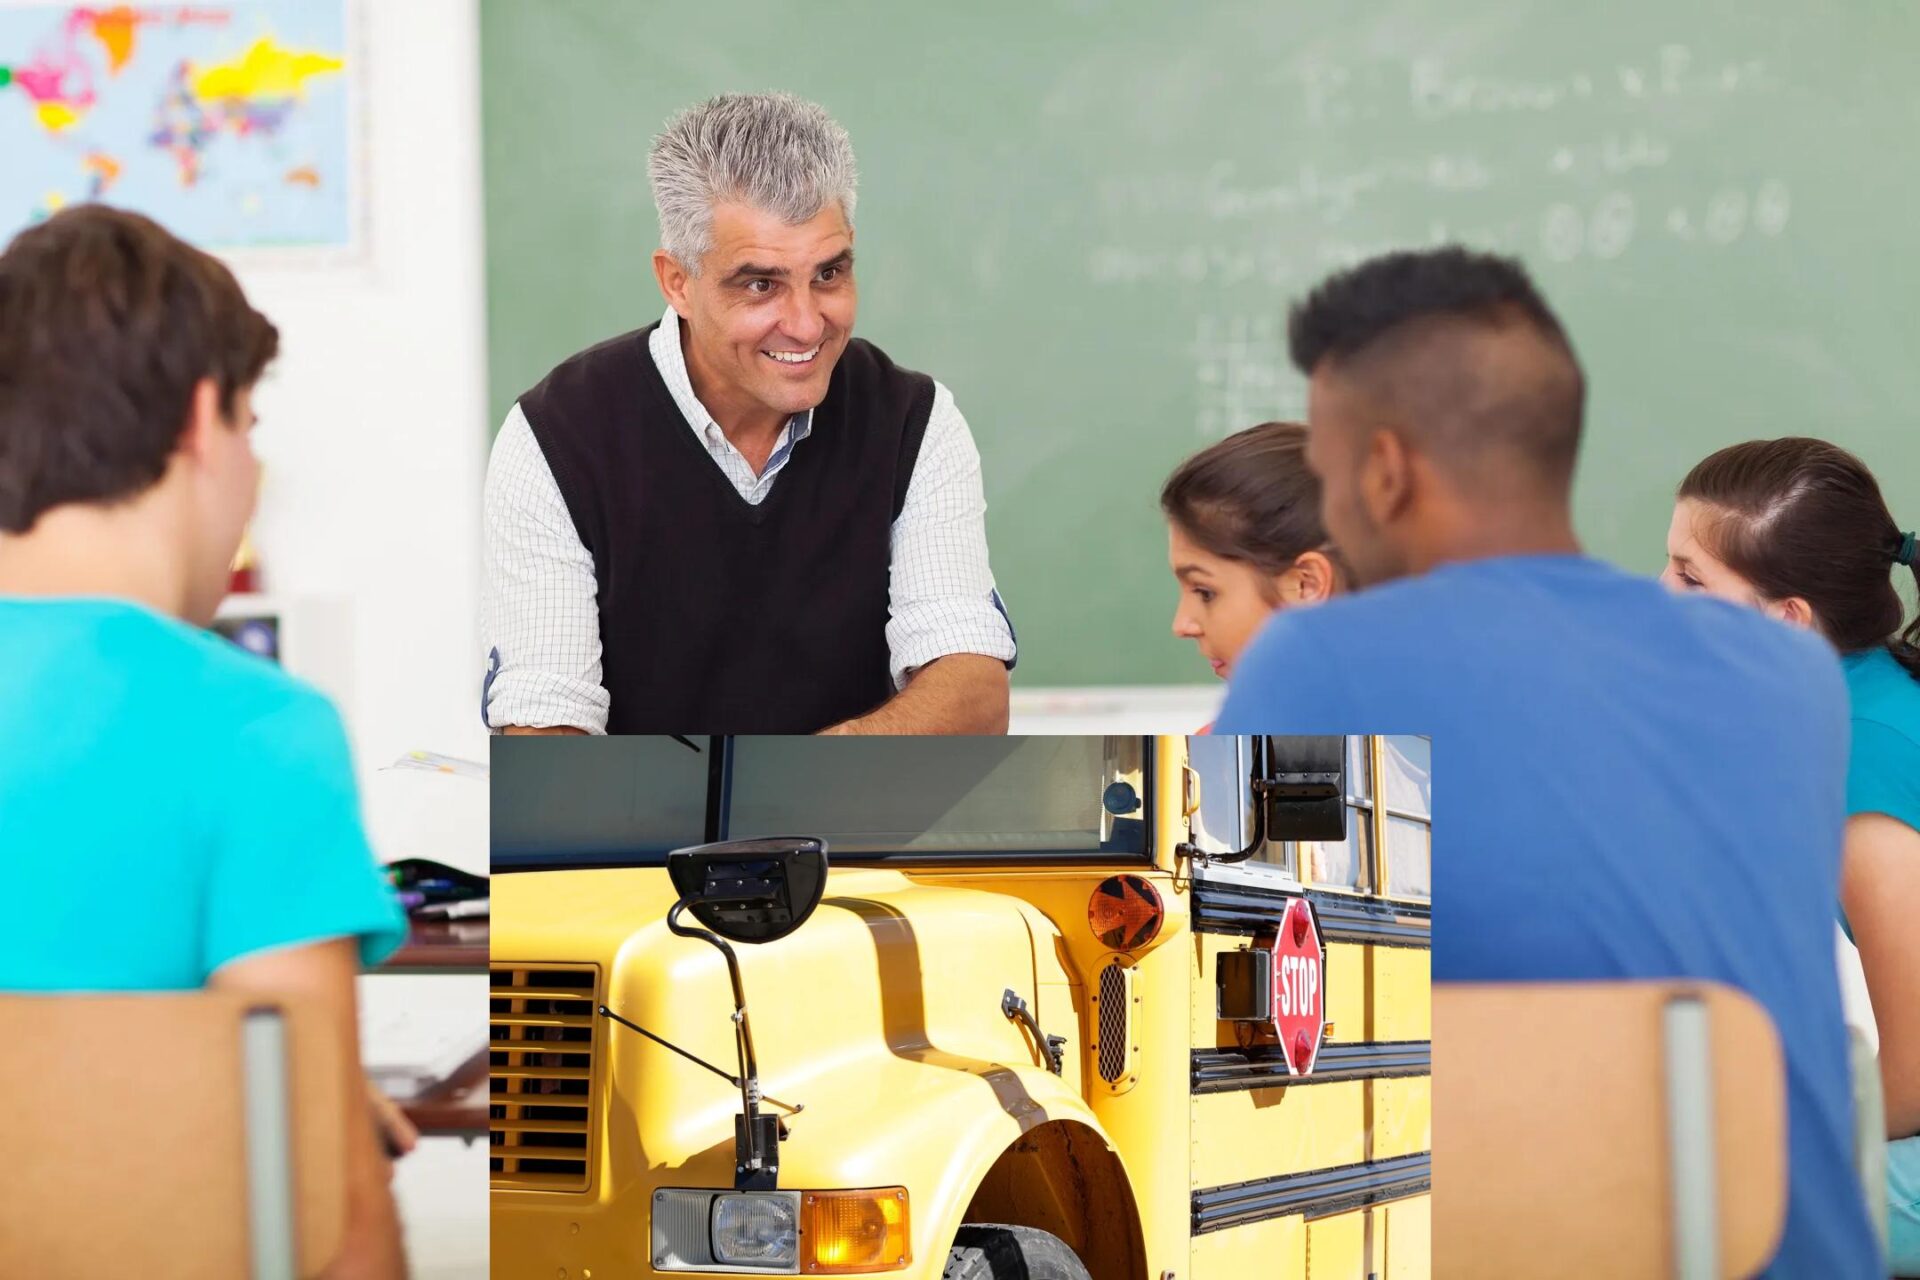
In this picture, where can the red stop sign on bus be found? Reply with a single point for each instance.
(1299, 987)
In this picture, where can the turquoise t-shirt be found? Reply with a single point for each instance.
(1884, 777)
(168, 803)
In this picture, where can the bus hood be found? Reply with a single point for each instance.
(881, 1012)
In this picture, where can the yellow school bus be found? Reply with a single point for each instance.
(1129, 1008)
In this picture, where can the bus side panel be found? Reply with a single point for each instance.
(1337, 1247)
(1408, 1230)
(1402, 1117)
(1264, 1133)
(1402, 1008)
(1275, 1248)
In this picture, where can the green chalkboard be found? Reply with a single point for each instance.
(1087, 218)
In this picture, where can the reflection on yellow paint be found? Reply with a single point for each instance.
(267, 70)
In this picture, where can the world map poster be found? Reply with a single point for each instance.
(229, 124)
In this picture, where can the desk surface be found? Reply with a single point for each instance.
(457, 1106)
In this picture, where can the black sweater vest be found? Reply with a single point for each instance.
(717, 616)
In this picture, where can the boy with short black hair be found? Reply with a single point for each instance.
(1642, 786)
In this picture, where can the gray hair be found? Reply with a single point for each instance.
(773, 151)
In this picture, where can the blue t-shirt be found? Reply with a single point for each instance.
(168, 803)
(1639, 785)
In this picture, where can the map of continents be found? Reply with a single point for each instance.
(227, 123)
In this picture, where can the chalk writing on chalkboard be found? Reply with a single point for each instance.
(1586, 166)
(1242, 375)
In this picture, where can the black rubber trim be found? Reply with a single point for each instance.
(1245, 909)
(1319, 1194)
(1265, 1066)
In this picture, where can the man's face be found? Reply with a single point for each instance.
(228, 476)
(1339, 429)
(770, 312)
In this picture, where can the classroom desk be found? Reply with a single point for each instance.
(441, 946)
(457, 1106)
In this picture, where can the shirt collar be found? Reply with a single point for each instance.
(664, 346)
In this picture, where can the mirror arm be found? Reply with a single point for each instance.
(750, 1160)
(1188, 849)
(792, 1108)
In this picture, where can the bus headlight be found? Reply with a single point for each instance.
(815, 1233)
(756, 1230)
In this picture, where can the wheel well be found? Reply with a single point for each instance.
(1063, 1177)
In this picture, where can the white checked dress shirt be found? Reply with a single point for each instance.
(541, 619)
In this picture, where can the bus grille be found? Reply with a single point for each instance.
(544, 1038)
(1114, 1004)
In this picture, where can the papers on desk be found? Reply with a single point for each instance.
(435, 762)
(416, 1031)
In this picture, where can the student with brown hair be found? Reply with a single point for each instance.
(174, 813)
(1244, 538)
(1797, 528)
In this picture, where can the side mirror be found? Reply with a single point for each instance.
(751, 890)
(1304, 792)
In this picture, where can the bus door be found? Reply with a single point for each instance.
(1311, 1164)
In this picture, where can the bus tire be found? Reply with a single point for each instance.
(984, 1252)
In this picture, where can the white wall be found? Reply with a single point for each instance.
(1115, 708)
(373, 433)
(373, 419)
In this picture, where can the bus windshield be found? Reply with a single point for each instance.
(627, 801)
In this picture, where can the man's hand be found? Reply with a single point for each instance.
(960, 693)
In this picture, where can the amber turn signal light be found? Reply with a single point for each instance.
(1125, 912)
(849, 1232)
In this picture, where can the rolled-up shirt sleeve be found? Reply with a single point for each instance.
(941, 595)
(541, 617)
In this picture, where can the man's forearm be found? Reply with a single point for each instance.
(551, 730)
(960, 693)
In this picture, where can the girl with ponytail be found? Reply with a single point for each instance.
(1798, 529)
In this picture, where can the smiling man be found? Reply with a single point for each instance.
(743, 519)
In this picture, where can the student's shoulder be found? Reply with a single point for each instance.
(1789, 666)
(217, 683)
(1884, 694)
(1378, 614)
(1765, 639)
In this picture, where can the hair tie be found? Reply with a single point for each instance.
(1905, 554)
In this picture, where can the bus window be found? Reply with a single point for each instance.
(570, 801)
(1407, 790)
(867, 797)
(1224, 821)
(1346, 864)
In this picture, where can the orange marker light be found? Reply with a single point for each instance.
(1125, 912)
(849, 1232)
